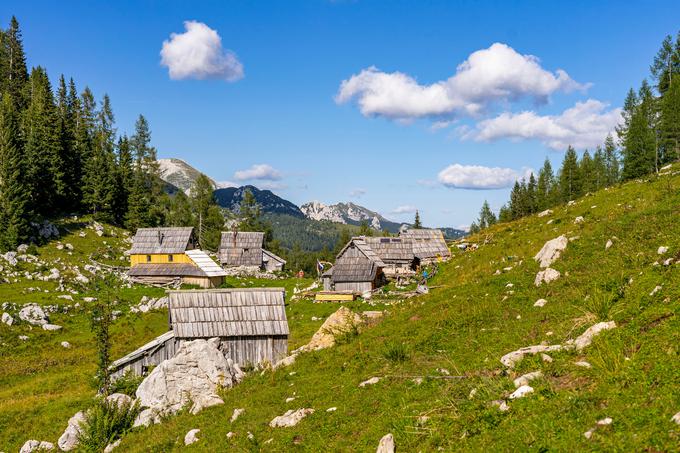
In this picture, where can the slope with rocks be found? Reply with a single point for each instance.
(594, 366)
(179, 174)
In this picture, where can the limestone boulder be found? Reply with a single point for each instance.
(7, 319)
(546, 276)
(586, 338)
(337, 324)
(191, 437)
(33, 313)
(290, 418)
(512, 358)
(36, 445)
(192, 376)
(69, 440)
(551, 251)
(386, 444)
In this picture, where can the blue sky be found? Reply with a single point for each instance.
(409, 128)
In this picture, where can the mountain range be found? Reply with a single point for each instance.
(179, 175)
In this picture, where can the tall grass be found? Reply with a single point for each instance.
(106, 422)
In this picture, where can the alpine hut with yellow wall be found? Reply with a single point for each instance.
(169, 255)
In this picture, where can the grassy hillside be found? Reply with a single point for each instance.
(471, 318)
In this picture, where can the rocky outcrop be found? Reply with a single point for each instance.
(290, 418)
(192, 376)
(339, 323)
(584, 340)
(551, 251)
(512, 358)
(33, 314)
(191, 437)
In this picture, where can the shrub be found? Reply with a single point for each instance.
(127, 383)
(106, 422)
(396, 352)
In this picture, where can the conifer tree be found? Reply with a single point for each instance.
(148, 173)
(416, 221)
(639, 144)
(599, 170)
(207, 216)
(669, 123)
(180, 213)
(70, 162)
(17, 72)
(124, 176)
(545, 186)
(13, 187)
(99, 188)
(611, 161)
(587, 172)
(666, 65)
(570, 178)
(486, 217)
(531, 198)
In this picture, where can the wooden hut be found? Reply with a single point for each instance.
(246, 249)
(167, 255)
(251, 324)
(396, 253)
(357, 269)
(272, 262)
(429, 245)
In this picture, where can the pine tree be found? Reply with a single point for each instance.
(180, 213)
(639, 145)
(569, 177)
(504, 214)
(531, 197)
(587, 171)
(208, 218)
(630, 105)
(666, 65)
(13, 187)
(599, 170)
(124, 175)
(148, 168)
(17, 71)
(416, 221)
(669, 123)
(545, 187)
(100, 173)
(70, 161)
(45, 174)
(486, 217)
(611, 161)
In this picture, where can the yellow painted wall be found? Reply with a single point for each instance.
(160, 259)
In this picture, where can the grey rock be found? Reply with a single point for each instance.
(386, 444)
(69, 440)
(290, 418)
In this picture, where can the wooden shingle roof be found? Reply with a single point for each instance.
(166, 270)
(267, 255)
(355, 269)
(148, 241)
(427, 243)
(391, 250)
(228, 312)
(241, 248)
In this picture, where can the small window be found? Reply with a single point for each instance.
(148, 258)
(170, 258)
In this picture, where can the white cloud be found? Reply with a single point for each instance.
(225, 184)
(272, 185)
(263, 172)
(478, 177)
(496, 74)
(357, 193)
(583, 126)
(404, 209)
(198, 54)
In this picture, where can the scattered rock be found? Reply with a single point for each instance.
(110, 447)
(193, 375)
(583, 364)
(290, 418)
(661, 250)
(190, 437)
(579, 219)
(526, 378)
(230, 435)
(546, 358)
(501, 404)
(7, 319)
(512, 358)
(586, 338)
(551, 251)
(69, 440)
(540, 303)
(65, 344)
(33, 313)
(51, 327)
(472, 393)
(371, 381)
(22, 248)
(545, 213)
(548, 275)
(332, 409)
(339, 323)
(120, 399)
(386, 444)
(521, 392)
(236, 414)
(290, 399)
(147, 417)
(36, 445)
(286, 361)
(608, 244)
(676, 418)
(23, 337)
